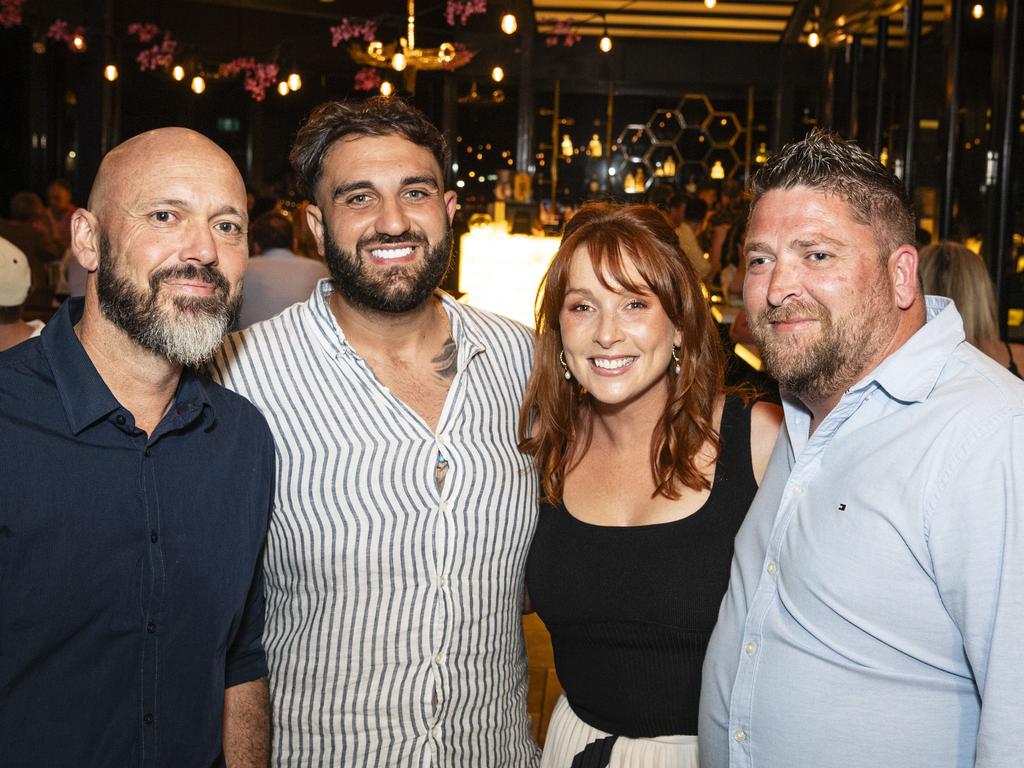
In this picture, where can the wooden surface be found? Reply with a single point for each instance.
(544, 686)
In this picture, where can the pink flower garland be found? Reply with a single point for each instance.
(258, 75)
(367, 79)
(561, 28)
(463, 9)
(59, 31)
(160, 54)
(349, 29)
(10, 13)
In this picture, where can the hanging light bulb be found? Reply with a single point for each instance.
(978, 10)
(710, 3)
(509, 25)
(198, 84)
(605, 44)
(813, 39)
(497, 74)
(178, 73)
(386, 88)
(294, 81)
(717, 171)
(78, 42)
(398, 62)
(110, 73)
(282, 88)
(566, 145)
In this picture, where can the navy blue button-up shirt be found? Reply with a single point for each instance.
(130, 588)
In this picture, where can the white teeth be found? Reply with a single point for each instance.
(390, 253)
(619, 362)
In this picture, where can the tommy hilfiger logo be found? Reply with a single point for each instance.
(842, 507)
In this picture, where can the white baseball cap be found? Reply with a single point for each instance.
(15, 275)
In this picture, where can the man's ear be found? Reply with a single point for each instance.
(903, 274)
(315, 220)
(85, 239)
(451, 201)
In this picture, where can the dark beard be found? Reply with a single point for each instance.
(188, 339)
(399, 289)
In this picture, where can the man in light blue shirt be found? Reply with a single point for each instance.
(877, 591)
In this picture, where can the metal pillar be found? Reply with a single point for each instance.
(854, 92)
(1006, 92)
(913, 10)
(954, 14)
(525, 108)
(881, 44)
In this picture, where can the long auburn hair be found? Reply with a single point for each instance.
(555, 421)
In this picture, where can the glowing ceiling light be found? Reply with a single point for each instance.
(294, 81)
(78, 43)
(978, 10)
(497, 74)
(509, 25)
(606, 43)
(813, 39)
(398, 62)
(178, 73)
(282, 88)
(386, 88)
(110, 72)
(198, 84)
(710, 3)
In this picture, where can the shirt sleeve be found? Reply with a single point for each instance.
(976, 540)
(246, 658)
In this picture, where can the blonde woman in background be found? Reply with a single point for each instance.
(953, 270)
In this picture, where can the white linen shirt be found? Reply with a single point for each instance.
(875, 608)
(394, 632)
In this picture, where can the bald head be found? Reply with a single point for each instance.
(139, 164)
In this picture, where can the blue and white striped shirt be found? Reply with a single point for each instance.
(393, 609)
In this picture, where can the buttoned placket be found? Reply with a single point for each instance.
(742, 731)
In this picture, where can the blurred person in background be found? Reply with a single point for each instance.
(15, 281)
(276, 277)
(953, 270)
(59, 211)
(28, 231)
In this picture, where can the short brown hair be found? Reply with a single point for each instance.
(554, 424)
(377, 116)
(826, 162)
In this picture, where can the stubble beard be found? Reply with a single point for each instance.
(189, 330)
(395, 289)
(829, 364)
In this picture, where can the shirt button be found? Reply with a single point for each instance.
(442, 582)
(147, 719)
(771, 568)
(146, 453)
(438, 658)
(797, 490)
(151, 627)
(154, 537)
(120, 419)
(740, 736)
(750, 648)
(443, 506)
(436, 731)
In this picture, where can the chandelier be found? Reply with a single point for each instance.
(403, 56)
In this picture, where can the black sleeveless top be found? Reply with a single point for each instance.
(631, 609)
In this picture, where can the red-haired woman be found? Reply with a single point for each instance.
(648, 467)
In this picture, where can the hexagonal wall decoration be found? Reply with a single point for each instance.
(664, 161)
(723, 128)
(694, 109)
(694, 144)
(727, 157)
(634, 141)
(665, 126)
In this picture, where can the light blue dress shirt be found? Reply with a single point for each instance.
(875, 612)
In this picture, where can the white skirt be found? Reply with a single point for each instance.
(568, 736)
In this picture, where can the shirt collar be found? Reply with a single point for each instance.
(83, 393)
(910, 373)
(467, 341)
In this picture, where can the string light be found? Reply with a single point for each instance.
(710, 3)
(282, 88)
(294, 81)
(78, 43)
(978, 10)
(497, 74)
(813, 39)
(605, 43)
(198, 84)
(110, 72)
(398, 62)
(178, 73)
(386, 88)
(509, 25)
